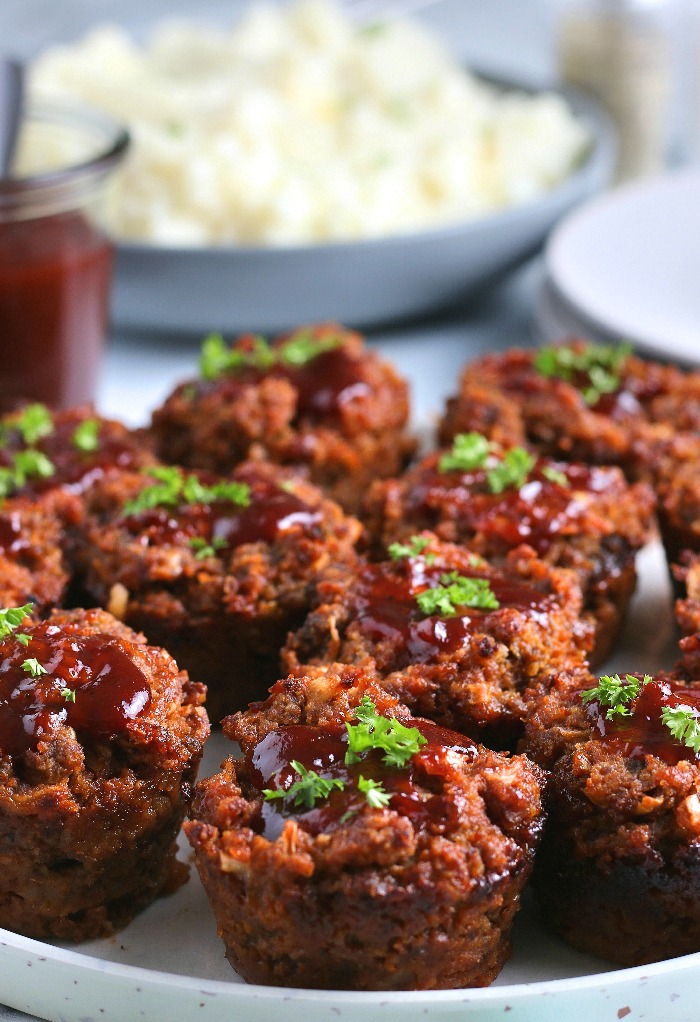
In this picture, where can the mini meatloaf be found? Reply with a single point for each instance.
(454, 639)
(216, 571)
(492, 499)
(672, 462)
(579, 401)
(33, 568)
(687, 608)
(357, 847)
(100, 740)
(619, 869)
(314, 398)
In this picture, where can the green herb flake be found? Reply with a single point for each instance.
(33, 423)
(595, 369)
(306, 792)
(23, 638)
(304, 346)
(68, 694)
(555, 476)
(218, 358)
(414, 548)
(86, 437)
(12, 617)
(33, 667)
(455, 591)
(375, 793)
(684, 724)
(614, 695)
(174, 489)
(373, 731)
(202, 549)
(469, 451)
(512, 470)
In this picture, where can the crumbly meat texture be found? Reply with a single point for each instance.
(475, 686)
(503, 396)
(687, 607)
(224, 616)
(377, 902)
(672, 462)
(618, 868)
(88, 823)
(359, 437)
(33, 567)
(604, 521)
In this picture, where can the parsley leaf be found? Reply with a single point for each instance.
(202, 549)
(374, 731)
(615, 694)
(375, 793)
(454, 591)
(414, 548)
(306, 792)
(68, 694)
(468, 451)
(684, 724)
(172, 489)
(12, 617)
(217, 357)
(33, 423)
(511, 471)
(304, 346)
(598, 366)
(25, 464)
(86, 435)
(33, 667)
(555, 476)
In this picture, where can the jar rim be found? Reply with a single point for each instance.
(113, 136)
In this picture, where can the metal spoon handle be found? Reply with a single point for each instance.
(11, 100)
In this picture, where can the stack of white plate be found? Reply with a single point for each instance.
(626, 267)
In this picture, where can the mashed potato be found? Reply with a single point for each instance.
(297, 126)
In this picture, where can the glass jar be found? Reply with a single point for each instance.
(626, 53)
(55, 259)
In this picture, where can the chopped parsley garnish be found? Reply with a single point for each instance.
(469, 451)
(86, 435)
(218, 358)
(33, 667)
(414, 548)
(173, 489)
(396, 741)
(684, 724)
(555, 476)
(25, 465)
(202, 549)
(305, 346)
(33, 423)
(12, 617)
(375, 793)
(68, 694)
(598, 366)
(310, 789)
(23, 638)
(614, 695)
(512, 471)
(455, 591)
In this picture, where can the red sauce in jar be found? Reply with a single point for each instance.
(385, 609)
(537, 513)
(412, 787)
(642, 732)
(54, 291)
(225, 525)
(91, 684)
(324, 384)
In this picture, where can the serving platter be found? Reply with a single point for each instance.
(362, 283)
(169, 962)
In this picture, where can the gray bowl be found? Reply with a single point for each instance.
(362, 283)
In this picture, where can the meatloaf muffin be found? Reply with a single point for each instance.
(33, 568)
(619, 867)
(672, 462)
(216, 571)
(454, 639)
(357, 847)
(493, 498)
(314, 398)
(100, 740)
(580, 401)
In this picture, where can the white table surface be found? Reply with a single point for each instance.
(506, 36)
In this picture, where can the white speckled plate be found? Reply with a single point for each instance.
(169, 965)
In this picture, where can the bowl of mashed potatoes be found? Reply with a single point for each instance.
(299, 166)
